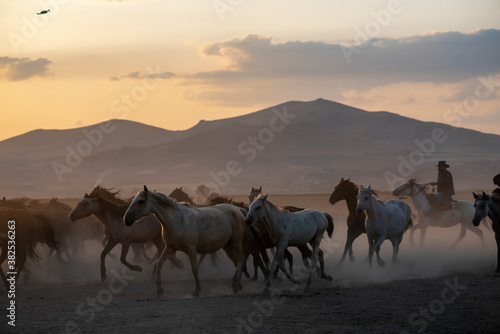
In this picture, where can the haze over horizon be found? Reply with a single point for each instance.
(171, 64)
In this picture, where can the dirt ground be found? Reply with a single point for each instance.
(433, 289)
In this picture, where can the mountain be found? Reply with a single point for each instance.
(299, 147)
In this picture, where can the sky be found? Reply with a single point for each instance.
(174, 63)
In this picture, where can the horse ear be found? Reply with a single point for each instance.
(264, 198)
(260, 189)
(342, 179)
(369, 187)
(475, 195)
(146, 191)
(348, 179)
(85, 196)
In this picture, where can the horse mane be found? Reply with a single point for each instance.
(424, 187)
(15, 203)
(353, 186)
(222, 199)
(107, 195)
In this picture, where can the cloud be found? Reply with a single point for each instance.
(17, 69)
(138, 75)
(437, 57)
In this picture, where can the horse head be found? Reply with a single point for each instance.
(343, 190)
(141, 206)
(256, 210)
(481, 207)
(363, 199)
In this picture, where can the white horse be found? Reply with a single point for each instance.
(385, 220)
(462, 213)
(291, 229)
(192, 230)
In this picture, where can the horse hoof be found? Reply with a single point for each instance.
(296, 281)
(265, 291)
(136, 268)
(352, 259)
(247, 275)
(159, 293)
(306, 289)
(103, 277)
(381, 263)
(327, 277)
(254, 278)
(195, 294)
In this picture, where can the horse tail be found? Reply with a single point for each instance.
(329, 228)
(260, 244)
(48, 236)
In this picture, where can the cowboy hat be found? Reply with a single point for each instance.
(442, 163)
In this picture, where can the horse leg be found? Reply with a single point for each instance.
(371, 241)
(322, 266)
(277, 257)
(123, 258)
(477, 231)
(497, 239)
(423, 229)
(395, 248)
(460, 237)
(234, 249)
(289, 258)
(167, 253)
(110, 244)
(245, 269)
(315, 244)
(306, 255)
(202, 257)
(380, 240)
(258, 263)
(194, 269)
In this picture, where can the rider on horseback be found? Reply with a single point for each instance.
(445, 187)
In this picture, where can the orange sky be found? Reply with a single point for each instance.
(89, 60)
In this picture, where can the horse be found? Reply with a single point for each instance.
(291, 229)
(486, 205)
(192, 230)
(253, 243)
(347, 190)
(385, 220)
(422, 200)
(266, 236)
(64, 231)
(181, 196)
(109, 209)
(29, 229)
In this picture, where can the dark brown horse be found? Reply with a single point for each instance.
(29, 229)
(347, 190)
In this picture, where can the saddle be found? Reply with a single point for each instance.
(446, 206)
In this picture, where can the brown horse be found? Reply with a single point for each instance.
(29, 229)
(347, 190)
(109, 209)
(181, 196)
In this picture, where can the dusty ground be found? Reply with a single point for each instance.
(433, 289)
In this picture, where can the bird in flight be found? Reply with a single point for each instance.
(43, 12)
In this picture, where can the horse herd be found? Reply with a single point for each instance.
(175, 223)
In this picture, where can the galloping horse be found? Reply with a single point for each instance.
(30, 229)
(347, 190)
(462, 214)
(266, 236)
(489, 206)
(291, 229)
(192, 230)
(109, 209)
(388, 220)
